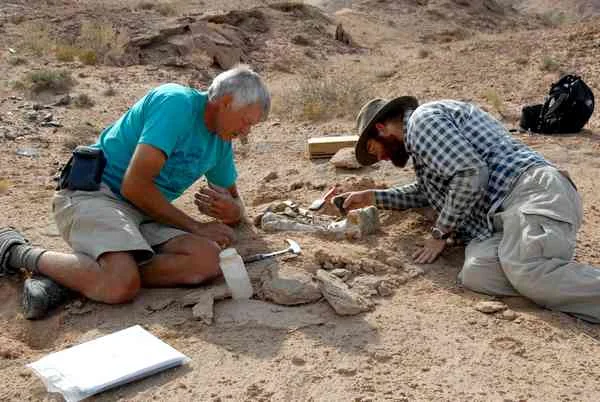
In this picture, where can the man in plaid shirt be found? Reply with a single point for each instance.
(517, 212)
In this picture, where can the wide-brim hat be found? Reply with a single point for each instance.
(373, 112)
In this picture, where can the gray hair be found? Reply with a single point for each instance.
(244, 85)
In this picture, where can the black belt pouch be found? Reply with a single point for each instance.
(84, 170)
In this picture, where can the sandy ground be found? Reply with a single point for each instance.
(426, 341)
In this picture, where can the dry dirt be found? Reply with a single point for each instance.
(424, 342)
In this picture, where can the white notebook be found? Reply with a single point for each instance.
(95, 366)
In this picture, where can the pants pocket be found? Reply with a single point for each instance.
(547, 238)
(62, 209)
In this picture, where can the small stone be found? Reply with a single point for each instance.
(321, 256)
(345, 159)
(509, 315)
(270, 177)
(77, 304)
(343, 36)
(64, 101)
(414, 272)
(81, 311)
(320, 186)
(296, 186)
(291, 172)
(298, 361)
(301, 40)
(355, 268)
(32, 116)
(385, 289)
(47, 117)
(341, 273)
(395, 262)
(328, 265)
(159, 305)
(37, 106)
(366, 285)
(50, 124)
(381, 356)
(490, 307)
(346, 371)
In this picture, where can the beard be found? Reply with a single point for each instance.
(395, 151)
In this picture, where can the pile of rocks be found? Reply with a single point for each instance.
(348, 284)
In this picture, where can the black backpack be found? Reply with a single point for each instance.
(567, 108)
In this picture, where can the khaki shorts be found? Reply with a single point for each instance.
(98, 222)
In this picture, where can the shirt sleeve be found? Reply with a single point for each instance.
(441, 146)
(166, 118)
(224, 173)
(401, 198)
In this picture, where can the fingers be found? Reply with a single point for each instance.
(424, 256)
(211, 193)
(218, 189)
(212, 203)
(207, 208)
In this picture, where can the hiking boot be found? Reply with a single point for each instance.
(40, 295)
(9, 237)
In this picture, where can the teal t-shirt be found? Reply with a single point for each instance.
(171, 118)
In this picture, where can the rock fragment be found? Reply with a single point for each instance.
(509, 315)
(343, 300)
(287, 286)
(345, 159)
(341, 273)
(218, 292)
(271, 176)
(490, 307)
(203, 309)
(343, 36)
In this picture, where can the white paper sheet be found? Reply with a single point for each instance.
(106, 362)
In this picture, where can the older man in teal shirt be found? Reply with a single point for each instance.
(128, 234)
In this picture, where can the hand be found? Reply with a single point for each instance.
(430, 251)
(358, 199)
(218, 203)
(221, 234)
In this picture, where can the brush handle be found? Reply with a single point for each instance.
(254, 258)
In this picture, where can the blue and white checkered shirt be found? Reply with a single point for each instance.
(466, 164)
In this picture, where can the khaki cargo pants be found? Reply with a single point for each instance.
(531, 252)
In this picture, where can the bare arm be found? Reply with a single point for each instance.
(138, 187)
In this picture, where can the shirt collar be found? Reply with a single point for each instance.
(407, 114)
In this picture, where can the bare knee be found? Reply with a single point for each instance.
(203, 261)
(121, 279)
